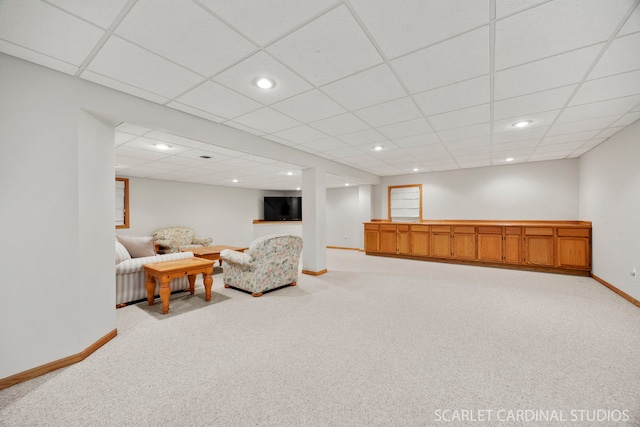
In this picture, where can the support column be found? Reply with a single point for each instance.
(314, 224)
(364, 210)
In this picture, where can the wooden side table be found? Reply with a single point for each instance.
(169, 270)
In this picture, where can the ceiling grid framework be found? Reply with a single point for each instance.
(437, 84)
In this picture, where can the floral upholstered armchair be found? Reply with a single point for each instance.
(270, 262)
(174, 239)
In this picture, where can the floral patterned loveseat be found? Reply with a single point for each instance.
(270, 262)
(174, 239)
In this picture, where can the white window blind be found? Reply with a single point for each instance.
(120, 208)
(405, 204)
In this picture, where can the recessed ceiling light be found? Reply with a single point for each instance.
(509, 159)
(265, 83)
(162, 146)
(522, 124)
(416, 169)
(234, 180)
(298, 188)
(346, 184)
(378, 148)
(289, 173)
(205, 157)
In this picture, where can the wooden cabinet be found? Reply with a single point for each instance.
(573, 248)
(464, 242)
(539, 246)
(441, 241)
(371, 237)
(513, 245)
(388, 238)
(420, 240)
(490, 243)
(556, 246)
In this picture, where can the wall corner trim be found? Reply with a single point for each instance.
(624, 295)
(56, 364)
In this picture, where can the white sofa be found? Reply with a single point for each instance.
(130, 277)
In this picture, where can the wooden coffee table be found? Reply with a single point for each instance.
(212, 252)
(169, 270)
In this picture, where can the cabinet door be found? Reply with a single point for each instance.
(388, 238)
(539, 250)
(490, 243)
(573, 252)
(371, 240)
(404, 240)
(441, 241)
(420, 240)
(513, 245)
(490, 247)
(464, 242)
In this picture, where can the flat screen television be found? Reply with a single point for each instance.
(283, 208)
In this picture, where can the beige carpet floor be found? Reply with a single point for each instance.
(374, 342)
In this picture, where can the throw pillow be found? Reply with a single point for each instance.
(121, 253)
(138, 246)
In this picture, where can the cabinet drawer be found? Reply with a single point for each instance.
(419, 228)
(513, 231)
(573, 232)
(464, 229)
(387, 227)
(489, 230)
(441, 228)
(371, 227)
(403, 227)
(538, 231)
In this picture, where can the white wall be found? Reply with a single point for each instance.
(56, 199)
(610, 199)
(536, 191)
(343, 221)
(225, 214)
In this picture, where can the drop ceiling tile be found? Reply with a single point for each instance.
(329, 48)
(122, 137)
(459, 118)
(520, 135)
(426, 149)
(267, 120)
(610, 87)
(174, 139)
(123, 87)
(465, 132)
(367, 136)
(544, 119)
(127, 63)
(100, 13)
(474, 164)
(370, 87)
(399, 110)
(343, 153)
(475, 152)
(543, 74)
(559, 147)
(48, 30)
(181, 31)
(598, 109)
(462, 144)
(544, 156)
(241, 77)
(197, 165)
(339, 125)
(195, 111)
(218, 100)
(521, 106)
(138, 153)
(142, 171)
(132, 129)
(127, 161)
(279, 140)
(621, 56)
(555, 27)
(244, 128)
(264, 21)
(633, 23)
(401, 27)
(582, 125)
(310, 106)
(37, 58)
(517, 147)
(326, 144)
(627, 119)
(456, 96)
(408, 128)
(301, 134)
(570, 137)
(508, 7)
(174, 175)
(461, 58)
